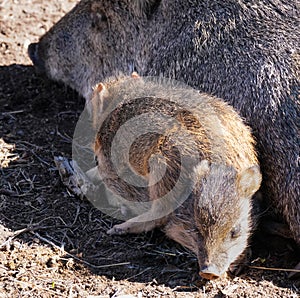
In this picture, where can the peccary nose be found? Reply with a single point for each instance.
(209, 272)
(33, 53)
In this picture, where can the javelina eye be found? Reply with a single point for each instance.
(235, 232)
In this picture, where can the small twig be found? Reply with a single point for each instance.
(185, 288)
(31, 145)
(24, 230)
(14, 235)
(165, 253)
(76, 258)
(104, 266)
(140, 273)
(47, 241)
(66, 113)
(274, 269)
(12, 112)
(77, 214)
(66, 138)
(40, 159)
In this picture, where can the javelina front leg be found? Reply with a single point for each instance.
(139, 224)
(136, 225)
(154, 217)
(142, 223)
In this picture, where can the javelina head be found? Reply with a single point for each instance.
(221, 217)
(95, 40)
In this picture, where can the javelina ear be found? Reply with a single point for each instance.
(100, 92)
(100, 87)
(249, 181)
(98, 102)
(201, 169)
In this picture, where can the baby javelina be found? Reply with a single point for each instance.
(179, 160)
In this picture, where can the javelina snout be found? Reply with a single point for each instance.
(209, 271)
(37, 60)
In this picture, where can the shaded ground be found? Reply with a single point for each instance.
(53, 244)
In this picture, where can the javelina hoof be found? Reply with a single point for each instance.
(73, 177)
(117, 230)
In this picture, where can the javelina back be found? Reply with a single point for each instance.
(246, 52)
(196, 162)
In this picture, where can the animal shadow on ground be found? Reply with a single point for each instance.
(38, 118)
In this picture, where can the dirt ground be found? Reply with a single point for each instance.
(52, 243)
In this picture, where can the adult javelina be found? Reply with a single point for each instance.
(194, 157)
(246, 52)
